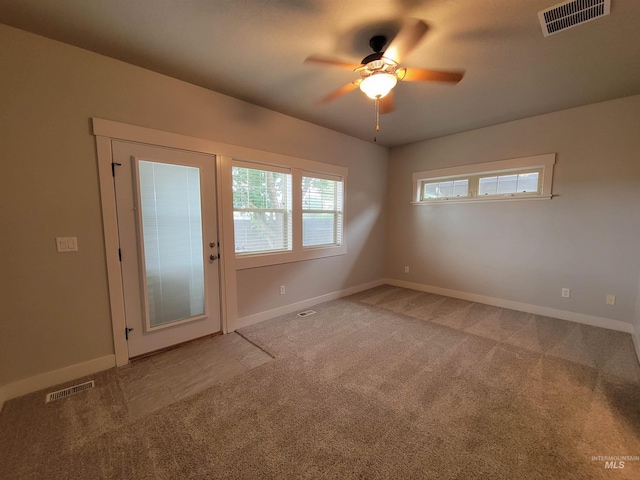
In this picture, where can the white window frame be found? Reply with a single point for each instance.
(297, 168)
(542, 163)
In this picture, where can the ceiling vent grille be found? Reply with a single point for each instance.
(69, 391)
(569, 14)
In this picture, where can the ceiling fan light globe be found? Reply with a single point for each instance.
(378, 85)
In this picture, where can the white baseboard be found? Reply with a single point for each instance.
(284, 310)
(594, 321)
(636, 342)
(55, 377)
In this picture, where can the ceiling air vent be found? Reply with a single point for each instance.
(569, 14)
(306, 313)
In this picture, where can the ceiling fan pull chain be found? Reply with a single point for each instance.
(377, 104)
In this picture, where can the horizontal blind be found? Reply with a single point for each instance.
(261, 210)
(322, 211)
(172, 239)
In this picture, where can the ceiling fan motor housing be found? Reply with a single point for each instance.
(376, 43)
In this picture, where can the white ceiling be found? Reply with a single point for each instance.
(254, 50)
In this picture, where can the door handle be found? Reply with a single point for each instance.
(213, 257)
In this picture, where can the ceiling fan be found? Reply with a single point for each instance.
(380, 71)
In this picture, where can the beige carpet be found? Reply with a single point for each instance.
(389, 383)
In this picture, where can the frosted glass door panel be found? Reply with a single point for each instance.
(173, 270)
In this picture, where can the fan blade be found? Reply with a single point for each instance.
(422, 75)
(341, 91)
(331, 62)
(387, 103)
(406, 40)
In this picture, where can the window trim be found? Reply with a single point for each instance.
(297, 168)
(478, 170)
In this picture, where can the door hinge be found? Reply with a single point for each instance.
(126, 332)
(113, 168)
(119, 254)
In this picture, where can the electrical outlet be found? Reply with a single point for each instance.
(282, 290)
(566, 292)
(406, 269)
(611, 299)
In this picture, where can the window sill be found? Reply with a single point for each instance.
(442, 201)
(276, 258)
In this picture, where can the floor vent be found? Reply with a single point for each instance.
(306, 313)
(571, 13)
(70, 391)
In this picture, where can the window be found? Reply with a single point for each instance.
(321, 211)
(517, 179)
(446, 189)
(510, 183)
(261, 210)
(287, 213)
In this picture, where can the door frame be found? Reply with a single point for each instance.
(105, 132)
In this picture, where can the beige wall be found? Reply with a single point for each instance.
(586, 238)
(637, 322)
(55, 310)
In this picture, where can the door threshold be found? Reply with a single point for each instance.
(171, 347)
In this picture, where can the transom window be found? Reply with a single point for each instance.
(446, 189)
(510, 183)
(522, 178)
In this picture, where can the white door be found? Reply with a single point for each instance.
(167, 229)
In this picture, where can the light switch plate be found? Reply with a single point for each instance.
(67, 244)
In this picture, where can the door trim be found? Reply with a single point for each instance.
(105, 131)
(111, 244)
